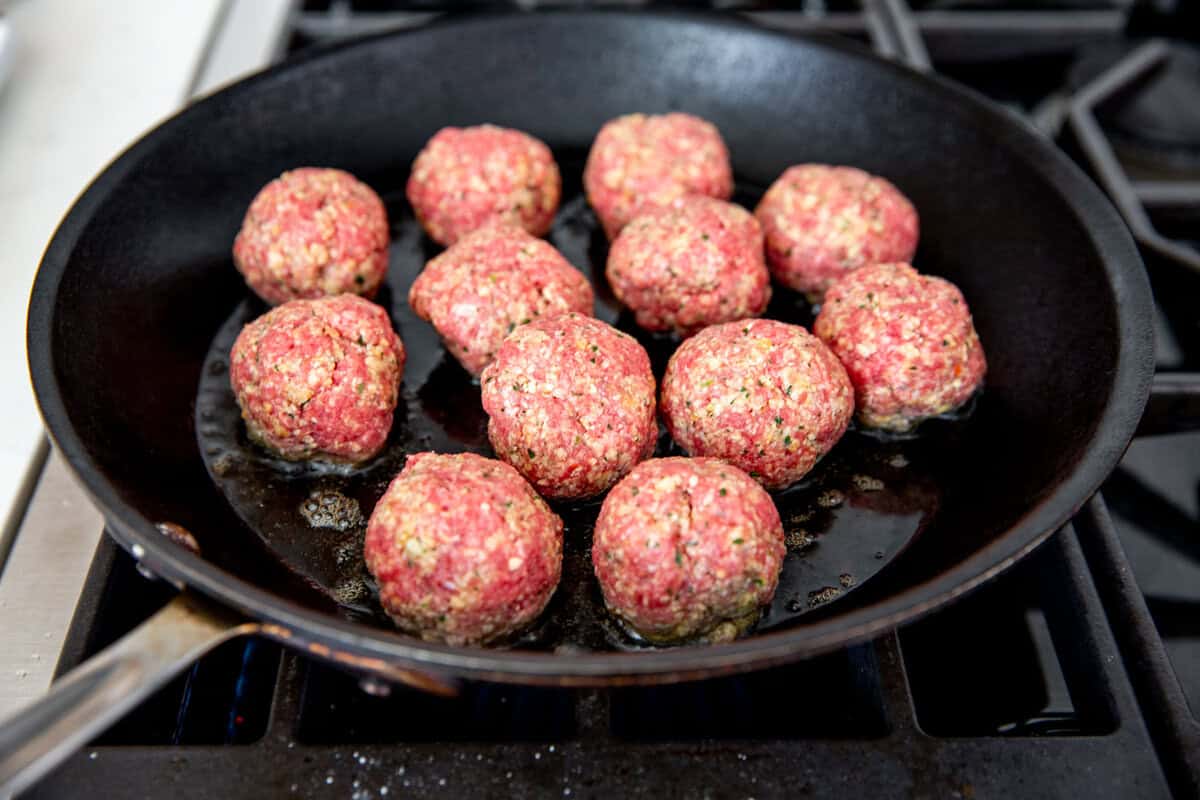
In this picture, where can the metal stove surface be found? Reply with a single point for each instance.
(1019, 690)
(1078, 673)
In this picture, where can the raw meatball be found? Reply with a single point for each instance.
(488, 283)
(463, 549)
(318, 379)
(468, 177)
(639, 161)
(821, 222)
(765, 396)
(310, 233)
(570, 403)
(693, 264)
(687, 547)
(907, 341)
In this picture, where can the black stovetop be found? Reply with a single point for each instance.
(1076, 674)
(1020, 690)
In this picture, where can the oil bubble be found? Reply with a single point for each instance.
(865, 483)
(326, 508)
(823, 595)
(798, 539)
(830, 498)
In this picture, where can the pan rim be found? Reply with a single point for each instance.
(1130, 387)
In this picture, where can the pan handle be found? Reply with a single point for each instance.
(1174, 405)
(97, 693)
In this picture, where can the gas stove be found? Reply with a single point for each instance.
(1077, 673)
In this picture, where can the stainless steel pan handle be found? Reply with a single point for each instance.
(100, 691)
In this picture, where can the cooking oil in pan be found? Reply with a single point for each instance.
(844, 524)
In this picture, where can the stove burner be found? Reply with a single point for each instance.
(1156, 123)
(988, 698)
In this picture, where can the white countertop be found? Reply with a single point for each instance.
(87, 78)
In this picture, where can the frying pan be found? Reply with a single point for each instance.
(136, 299)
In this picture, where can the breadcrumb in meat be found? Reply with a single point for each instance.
(319, 379)
(693, 264)
(570, 402)
(643, 160)
(763, 395)
(907, 341)
(683, 546)
(311, 233)
(462, 548)
(822, 222)
(488, 283)
(466, 178)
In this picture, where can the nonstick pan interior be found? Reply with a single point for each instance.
(138, 282)
(855, 513)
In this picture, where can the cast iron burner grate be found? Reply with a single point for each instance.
(1019, 690)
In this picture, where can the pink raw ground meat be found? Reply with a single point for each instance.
(311, 233)
(763, 395)
(693, 264)
(319, 379)
(464, 551)
(907, 341)
(639, 161)
(822, 222)
(687, 547)
(570, 402)
(466, 178)
(489, 282)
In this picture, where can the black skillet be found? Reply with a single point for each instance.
(136, 300)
